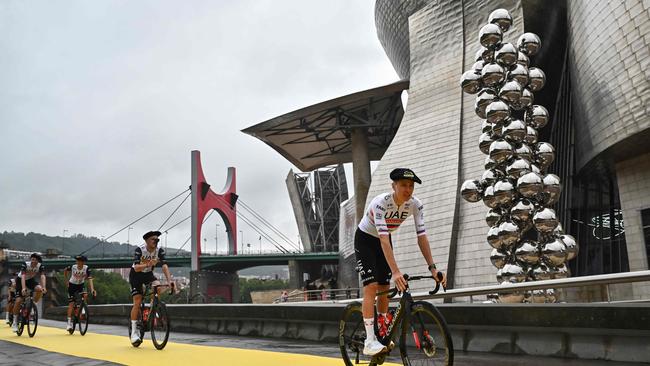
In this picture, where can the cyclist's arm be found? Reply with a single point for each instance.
(92, 286)
(423, 243)
(163, 261)
(400, 282)
(168, 275)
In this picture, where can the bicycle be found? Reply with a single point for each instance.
(80, 313)
(153, 317)
(27, 314)
(430, 344)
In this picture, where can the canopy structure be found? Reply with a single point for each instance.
(354, 128)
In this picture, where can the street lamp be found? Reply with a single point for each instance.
(216, 240)
(128, 239)
(242, 238)
(102, 240)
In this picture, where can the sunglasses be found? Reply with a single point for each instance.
(156, 240)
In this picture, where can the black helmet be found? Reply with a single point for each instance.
(81, 257)
(37, 256)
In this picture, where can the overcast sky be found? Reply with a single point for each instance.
(101, 103)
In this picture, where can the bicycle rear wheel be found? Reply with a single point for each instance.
(32, 320)
(352, 334)
(429, 341)
(83, 318)
(159, 326)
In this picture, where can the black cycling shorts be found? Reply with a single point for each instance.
(74, 288)
(31, 284)
(138, 279)
(371, 262)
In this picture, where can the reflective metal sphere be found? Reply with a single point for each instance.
(488, 197)
(484, 142)
(524, 152)
(492, 217)
(541, 273)
(470, 82)
(535, 168)
(571, 246)
(484, 97)
(528, 252)
(544, 154)
(497, 130)
(510, 91)
(520, 73)
(508, 233)
(538, 296)
(513, 272)
(536, 79)
(530, 185)
(493, 238)
(515, 131)
(551, 297)
(492, 74)
(490, 35)
(471, 191)
(491, 176)
(522, 211)
(478, 68)
(484, 54)
(536, 116)
(517, 168)
(497, 111)
(500, 151)
(531, 135)
(555, 252)
(485, 126)
(559, 230)
(529, 43)
(515, 297)
(525, 101)
(560, 272)
(545, 220)
(502, 18)
(504, 191)
(523, 60)
(552, 188)
(489, 163)
(498, 258)
(506, 54)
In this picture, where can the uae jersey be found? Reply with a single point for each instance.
(79, 275)
(142, 255)
(383, 216)
(31, 272)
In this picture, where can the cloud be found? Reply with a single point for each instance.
(102, 103)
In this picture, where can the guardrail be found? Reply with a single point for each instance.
(331, 294)
(596, 280)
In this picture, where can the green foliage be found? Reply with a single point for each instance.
(111, 288)
(254, 284)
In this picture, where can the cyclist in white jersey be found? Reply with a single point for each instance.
(26, 280)
(374, 250)
(11, 296)
(79, 273)
(147, 256)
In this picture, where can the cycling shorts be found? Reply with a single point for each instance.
(371, 262)
(139, 279)
(73, 289)
(31, 284)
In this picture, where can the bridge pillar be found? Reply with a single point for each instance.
(210, 284)
(205, 199)
(298, 271)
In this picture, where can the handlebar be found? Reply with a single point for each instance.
(394, 291)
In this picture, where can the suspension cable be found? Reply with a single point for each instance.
(176, 209)
(140, 218)
(268, 224)
(176, 224)
(190, 237)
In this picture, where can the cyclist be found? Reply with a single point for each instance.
(147, 256)
(26, 280)
(374, 249)
(79, 273)
(11, 296)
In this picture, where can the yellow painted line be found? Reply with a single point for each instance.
(118, 349)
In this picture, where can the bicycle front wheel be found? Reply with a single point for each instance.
(352, 334)
(83, 318)
(429, 341)
(32, 320)
(159, 326)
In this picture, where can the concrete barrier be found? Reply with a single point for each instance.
(617, 332)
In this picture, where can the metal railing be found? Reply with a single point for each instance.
(328, 294)
(604, 280)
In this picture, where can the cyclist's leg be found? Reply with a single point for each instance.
(19, 297)
(71, 291)
(383, 282)
(36, 287)
(135, 281)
